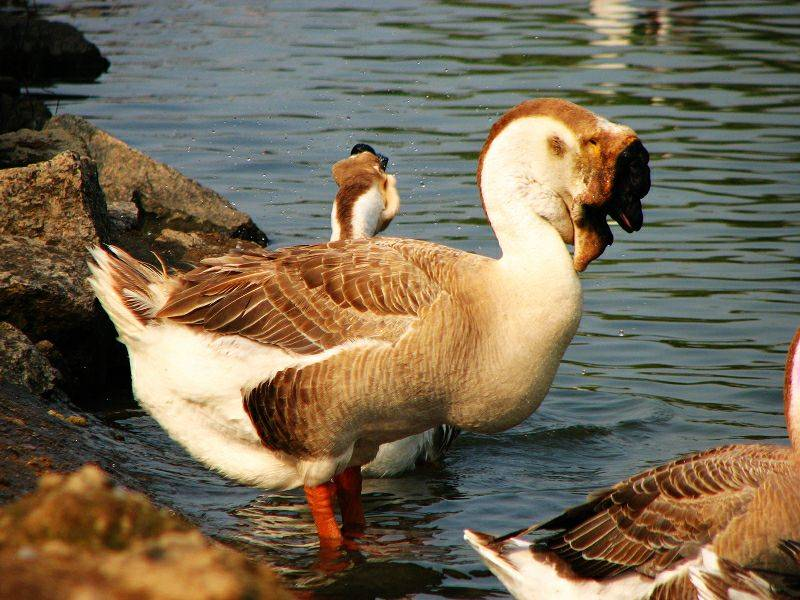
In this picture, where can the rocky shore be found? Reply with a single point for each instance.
(66, 185)
(81, 536)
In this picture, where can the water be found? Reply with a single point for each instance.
(686, 322)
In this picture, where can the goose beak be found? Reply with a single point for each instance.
(630, 183)
(592, 234)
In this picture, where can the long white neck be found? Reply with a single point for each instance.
(791, 392)
(362, 221)
(520, 192)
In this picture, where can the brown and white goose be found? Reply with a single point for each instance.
(705, 519)
(365, 204)
(291, 367)
(367, 198)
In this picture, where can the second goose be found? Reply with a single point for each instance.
(365, 204)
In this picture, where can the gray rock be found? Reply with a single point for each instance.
(124, 216)
(181, 248)
(43, 290)
(80, 536)
(58, 202)
(127, 175)
(26, 147)
(50, 212)
(33, 441)
(35, 50)
(53, 209)
(21, 363)
(20, 111)
(163, 197)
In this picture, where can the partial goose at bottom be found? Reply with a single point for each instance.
(661, 532)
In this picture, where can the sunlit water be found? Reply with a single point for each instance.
(686, 323)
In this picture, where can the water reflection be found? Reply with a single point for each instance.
(686, 324)
(278, 528)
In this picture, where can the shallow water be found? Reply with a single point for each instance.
(686, 322)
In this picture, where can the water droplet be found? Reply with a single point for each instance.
(621, 333)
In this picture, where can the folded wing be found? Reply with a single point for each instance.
(307, 299)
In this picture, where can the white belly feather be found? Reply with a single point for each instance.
(191, 382)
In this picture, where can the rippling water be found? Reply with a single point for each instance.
(682, 343)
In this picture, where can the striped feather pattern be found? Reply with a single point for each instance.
(307, 299)
(663, 515)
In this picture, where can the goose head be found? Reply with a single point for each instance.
(570, 167)
(791, 392)
(367, 199)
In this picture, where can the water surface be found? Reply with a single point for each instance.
(686, 322)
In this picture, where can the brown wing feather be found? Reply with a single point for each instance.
(307, 299)
(677, 588)
(662, 515)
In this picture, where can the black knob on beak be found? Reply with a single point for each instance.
(631, 184)
(359, 148)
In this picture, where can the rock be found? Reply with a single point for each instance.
(26, 147)
(34, 50)
(42, 289)
(43, 292)
(33, 442)
(127, 175)
(180, 247)
(22, 363)
(124, 216)
(19, 111)
(133, 182)
(58, 202)
(53, 209)
(50, 213)
(80, 536)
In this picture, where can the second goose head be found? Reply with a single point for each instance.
(367, 199)
(569, 166)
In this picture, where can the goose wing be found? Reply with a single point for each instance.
(307, 299)
(660, 516)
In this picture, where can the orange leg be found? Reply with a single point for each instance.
(320, 500)
(348, 489)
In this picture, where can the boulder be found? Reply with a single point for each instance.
(79, 535)
(24, 364)
(52, 207)
(58, 202)
(50, 213)
(27, 147)
(19, 111)
(144, 196)
(34, 50)
(43, 290)
(177, 202)
(33, 441)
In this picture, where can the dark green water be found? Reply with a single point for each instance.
(686, 323)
